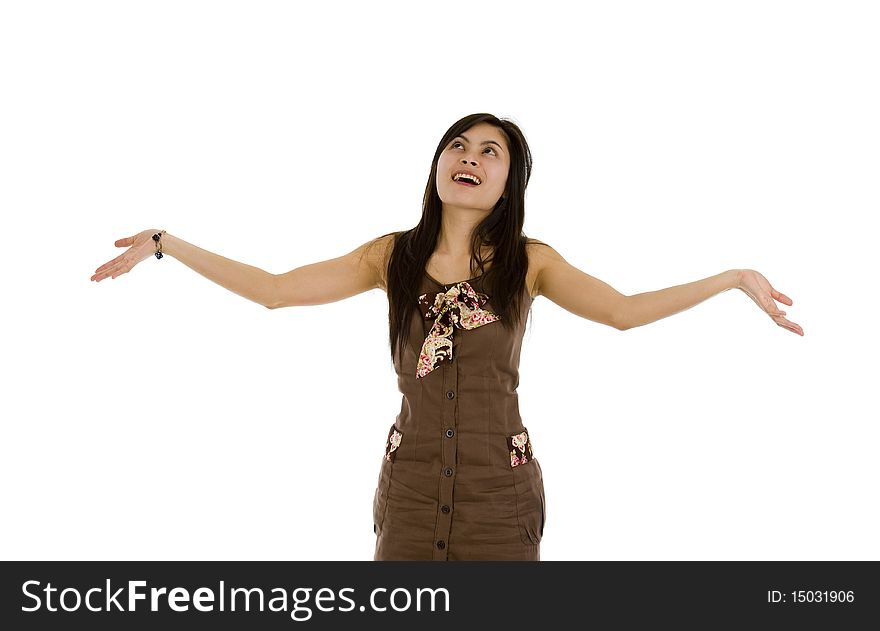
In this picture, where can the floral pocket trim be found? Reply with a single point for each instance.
(520, 447)
(392, 443)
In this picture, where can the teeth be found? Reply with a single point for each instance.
(468, 176)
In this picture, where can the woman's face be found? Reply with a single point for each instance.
(481, 151)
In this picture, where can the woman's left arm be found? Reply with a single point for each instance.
(595, 300)
(653, 305)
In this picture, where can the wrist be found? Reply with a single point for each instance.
(158, 243)
(737, 278)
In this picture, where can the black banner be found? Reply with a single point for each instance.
(425, 595)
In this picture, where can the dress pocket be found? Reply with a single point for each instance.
(392, 443)
(520, 448)
(528, 483)
(380, 498)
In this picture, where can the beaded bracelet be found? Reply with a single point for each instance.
(156, 238)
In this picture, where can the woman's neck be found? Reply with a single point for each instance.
(456, 230)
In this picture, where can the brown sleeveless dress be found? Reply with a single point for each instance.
(458, 479)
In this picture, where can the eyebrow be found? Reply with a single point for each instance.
(485, 142)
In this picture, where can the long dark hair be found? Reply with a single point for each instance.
(501, 230)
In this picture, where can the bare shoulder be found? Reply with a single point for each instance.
(539, 255)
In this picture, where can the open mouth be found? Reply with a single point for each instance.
(466, 179)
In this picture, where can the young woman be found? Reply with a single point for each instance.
(458, 480)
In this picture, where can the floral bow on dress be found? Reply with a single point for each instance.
(459, 307)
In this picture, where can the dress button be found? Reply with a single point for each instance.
(444, 508)
(450, 395)
(441, 544)
(448, 471)
(450, 433)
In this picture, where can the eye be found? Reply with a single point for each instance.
(457, 142)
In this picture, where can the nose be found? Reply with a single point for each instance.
(466, 161)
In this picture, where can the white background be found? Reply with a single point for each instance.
(158, 416)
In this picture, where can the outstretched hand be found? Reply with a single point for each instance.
(758, 288)
(140, 247)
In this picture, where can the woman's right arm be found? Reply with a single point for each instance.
(318, 283)
(360, 270)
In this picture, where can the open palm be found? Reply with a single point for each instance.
(759, 289)
(140, 247)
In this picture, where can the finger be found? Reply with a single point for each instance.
(108, 267)
(788, 324)
(769, 305)
(778, 295)
(109, 264)
(125, 241)
(111, 272)
(100, 273)
(120, 272)
(99, 276)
